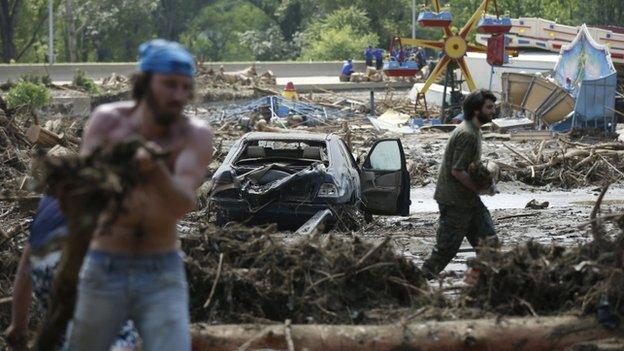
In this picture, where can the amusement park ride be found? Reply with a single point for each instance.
(454, 43)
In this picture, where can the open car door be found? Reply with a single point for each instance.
(385, 180)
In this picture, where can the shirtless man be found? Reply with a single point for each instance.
(135, 270)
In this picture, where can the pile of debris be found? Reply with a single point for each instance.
(115, 82)
(420, 171)
(219, 85)
(9, 258)
(569, 164)
(239, 274)
(371, 75)
(542, 280)
(14, 148)
(279, 111)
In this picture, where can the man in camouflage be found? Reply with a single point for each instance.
(461, 211)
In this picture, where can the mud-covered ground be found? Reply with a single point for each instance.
(414, 236)
(411, 237)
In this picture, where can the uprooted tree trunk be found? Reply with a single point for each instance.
(86, 188)
(42, 137)
(518, 334)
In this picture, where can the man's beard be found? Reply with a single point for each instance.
(483, 118)
(160, 116)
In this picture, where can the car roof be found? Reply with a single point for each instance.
(319, 137)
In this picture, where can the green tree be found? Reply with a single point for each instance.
(214, 34)
(338, 44)
(270, 45)
(27, 97)
(105, 30)
(111, 30)
(342, 34)
(173, 16)
(21, 27)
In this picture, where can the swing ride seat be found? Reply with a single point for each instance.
(490, 25)
(434, 19)
(400, 69)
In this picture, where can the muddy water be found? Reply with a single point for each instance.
(514, 197)
(558, 224)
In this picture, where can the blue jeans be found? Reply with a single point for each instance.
(43, 267)
(151, 290)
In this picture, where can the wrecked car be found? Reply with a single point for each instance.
(287, 178)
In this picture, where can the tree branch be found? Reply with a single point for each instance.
(35, 33)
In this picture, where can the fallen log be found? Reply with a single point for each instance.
(517, 334)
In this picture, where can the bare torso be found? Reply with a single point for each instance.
(149, 223)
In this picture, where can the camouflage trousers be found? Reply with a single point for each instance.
(474, 223)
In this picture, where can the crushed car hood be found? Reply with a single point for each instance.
(270, 183)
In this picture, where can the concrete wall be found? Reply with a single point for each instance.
(64, 72)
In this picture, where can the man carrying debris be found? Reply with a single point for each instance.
(134, 269)
(461, 211)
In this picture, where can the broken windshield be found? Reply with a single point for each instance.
(262, 151)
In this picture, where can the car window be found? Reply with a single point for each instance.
(385, 156)
(305, 150)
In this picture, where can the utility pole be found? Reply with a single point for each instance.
(50, 32)
(71, 30)
(413, 19)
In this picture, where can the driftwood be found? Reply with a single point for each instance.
(532, 334)
(42, 137)
(572, 164)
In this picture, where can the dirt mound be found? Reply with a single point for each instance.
(538, 279)
(331, 280)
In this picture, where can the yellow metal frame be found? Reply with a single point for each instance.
(454, 45)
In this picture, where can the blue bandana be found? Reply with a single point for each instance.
(165, 57)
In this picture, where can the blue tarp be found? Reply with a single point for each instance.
(594, 108)
(281, 107)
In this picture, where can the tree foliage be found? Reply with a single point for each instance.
(27, 96)
(270, 44)
(111, 30)
(343, 34)
(214, 33)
